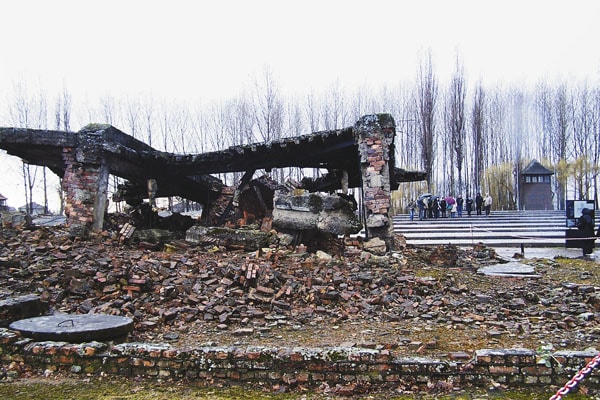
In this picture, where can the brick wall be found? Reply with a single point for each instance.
(375, 137)
(84, 184)
(356, 369)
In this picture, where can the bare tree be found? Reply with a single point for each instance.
(427, 93)
(295, 127)
(268, 107)
(21, 110)
(443, 146)
(558, 142)
(478, 128)
(109, 109)
(66, 110)
(237, 120)
(165, 127)
(333, 108)
(519, 133)
(311, 112)
(217, 127)
(148, 120)
(133, 116)
(407, 141)
(180, 121)
(199, 129)
(596, 143)
(313, 118)
(42, 123)
(456, 111)
(582, 148)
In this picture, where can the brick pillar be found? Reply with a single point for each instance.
(375, 138)
(85, 185)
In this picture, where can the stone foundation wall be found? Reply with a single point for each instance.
(357, 369)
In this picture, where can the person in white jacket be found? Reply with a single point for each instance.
(487, 204)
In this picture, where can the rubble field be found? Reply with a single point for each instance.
(417, 301)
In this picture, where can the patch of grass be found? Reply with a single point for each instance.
(123, 389)
(575, 270)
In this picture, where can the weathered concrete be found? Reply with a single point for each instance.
(510, 270)
(315, 212)
(247, 239)
(74, 328)
(20, 307)
(359, 156)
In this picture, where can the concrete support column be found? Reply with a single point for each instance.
(85, 185)
(375, 137)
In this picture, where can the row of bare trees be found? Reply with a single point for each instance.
(479, 139)
(468, 138)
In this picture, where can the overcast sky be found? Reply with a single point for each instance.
(207, 50)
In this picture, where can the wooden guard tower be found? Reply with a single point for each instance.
(535, 187)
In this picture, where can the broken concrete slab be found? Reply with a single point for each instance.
(510, 269)
(154, 236)
(15, 308)
(246, 239)
(315, 212)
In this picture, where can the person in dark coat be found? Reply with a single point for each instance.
(422, 209)
(459, 205)
(436, 207)
(478, 203)
(430, 207)
(469, 204)
(412, 206)
(586, 230)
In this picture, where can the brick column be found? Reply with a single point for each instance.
(85, 185)
(375, 137)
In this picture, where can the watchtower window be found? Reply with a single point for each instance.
(537, 178)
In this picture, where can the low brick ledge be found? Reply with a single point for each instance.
(298, 366)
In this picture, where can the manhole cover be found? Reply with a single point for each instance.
(74, 328)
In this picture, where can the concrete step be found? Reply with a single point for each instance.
(484, 234)
(500, 229)
(532, 242)
(534, 225)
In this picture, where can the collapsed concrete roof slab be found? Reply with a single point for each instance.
(137, 162)
(357, 156)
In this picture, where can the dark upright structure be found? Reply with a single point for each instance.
(535, 187)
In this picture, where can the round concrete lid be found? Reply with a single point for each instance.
(74, 328)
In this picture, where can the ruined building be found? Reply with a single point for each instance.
(361, 156)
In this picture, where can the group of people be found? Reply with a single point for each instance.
(442, 207)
